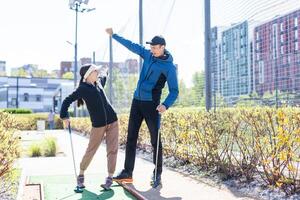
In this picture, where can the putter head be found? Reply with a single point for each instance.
(78, 190)
(155, 184)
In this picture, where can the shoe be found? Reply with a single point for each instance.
(80, 181)
(107, 184)
(123, 176)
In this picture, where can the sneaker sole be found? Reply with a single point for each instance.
(124, 180)
(105, 188)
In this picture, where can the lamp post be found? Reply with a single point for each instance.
(75, 5)
(141, 27)
(207, 27)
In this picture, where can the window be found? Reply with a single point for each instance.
(296, 46)
(226, 69)
(296, 34)
(281, 50)
(242, 52)
(274, 40)
(281, 38)
(257, 35)
(224, 47)
(296, 21)
(26, 97)
(242, 42)
(38, 98)
(261, 72)
(243, 70)
(13, 101)
(281, 26)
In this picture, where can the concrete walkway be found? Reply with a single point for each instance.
(175, 185)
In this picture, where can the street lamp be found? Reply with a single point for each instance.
(75, 5)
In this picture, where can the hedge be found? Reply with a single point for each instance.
(237, 142)
(9, 150)
(17, 110)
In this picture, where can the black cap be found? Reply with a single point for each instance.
(157, 40)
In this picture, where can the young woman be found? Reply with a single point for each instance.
(103, 117)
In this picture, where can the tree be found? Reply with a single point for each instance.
(68, 75)
(246, 100)
(3, 73)
(118, 94)
(268, 95)
(20, 72)
(40, 73)
(184, 98)
(198, 89)
(53, 74)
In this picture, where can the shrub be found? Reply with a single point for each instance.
(49, 147)
(28, 121)
(277, 143)
(237, 142)
(35, 150)
(9, 184)
(17, 110)
(9, 150)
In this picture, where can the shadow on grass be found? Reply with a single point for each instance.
(153, 193)
(105, 194)
(88, 195)
(125, 192)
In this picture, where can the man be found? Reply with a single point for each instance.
(157, 69)
(51, 117)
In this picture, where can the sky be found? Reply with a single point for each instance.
(37, 31)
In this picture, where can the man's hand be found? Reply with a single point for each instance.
(66, 122)
(109, 31)
(161, 108)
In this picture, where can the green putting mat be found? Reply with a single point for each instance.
(62, 188)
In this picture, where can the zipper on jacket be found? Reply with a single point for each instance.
(105, 114)
(145, 78)
(149, 75)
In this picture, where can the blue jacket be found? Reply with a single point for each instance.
(155, 72)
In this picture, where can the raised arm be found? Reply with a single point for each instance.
(135, 48)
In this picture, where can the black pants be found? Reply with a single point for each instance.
(142, 110)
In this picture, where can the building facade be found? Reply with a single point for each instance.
(32, 93)
(65, 66)
(235, 68)
(276, 54)
(214, 63)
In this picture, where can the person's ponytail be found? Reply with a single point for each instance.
(80, 102)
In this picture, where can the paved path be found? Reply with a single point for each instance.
(175, 185)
